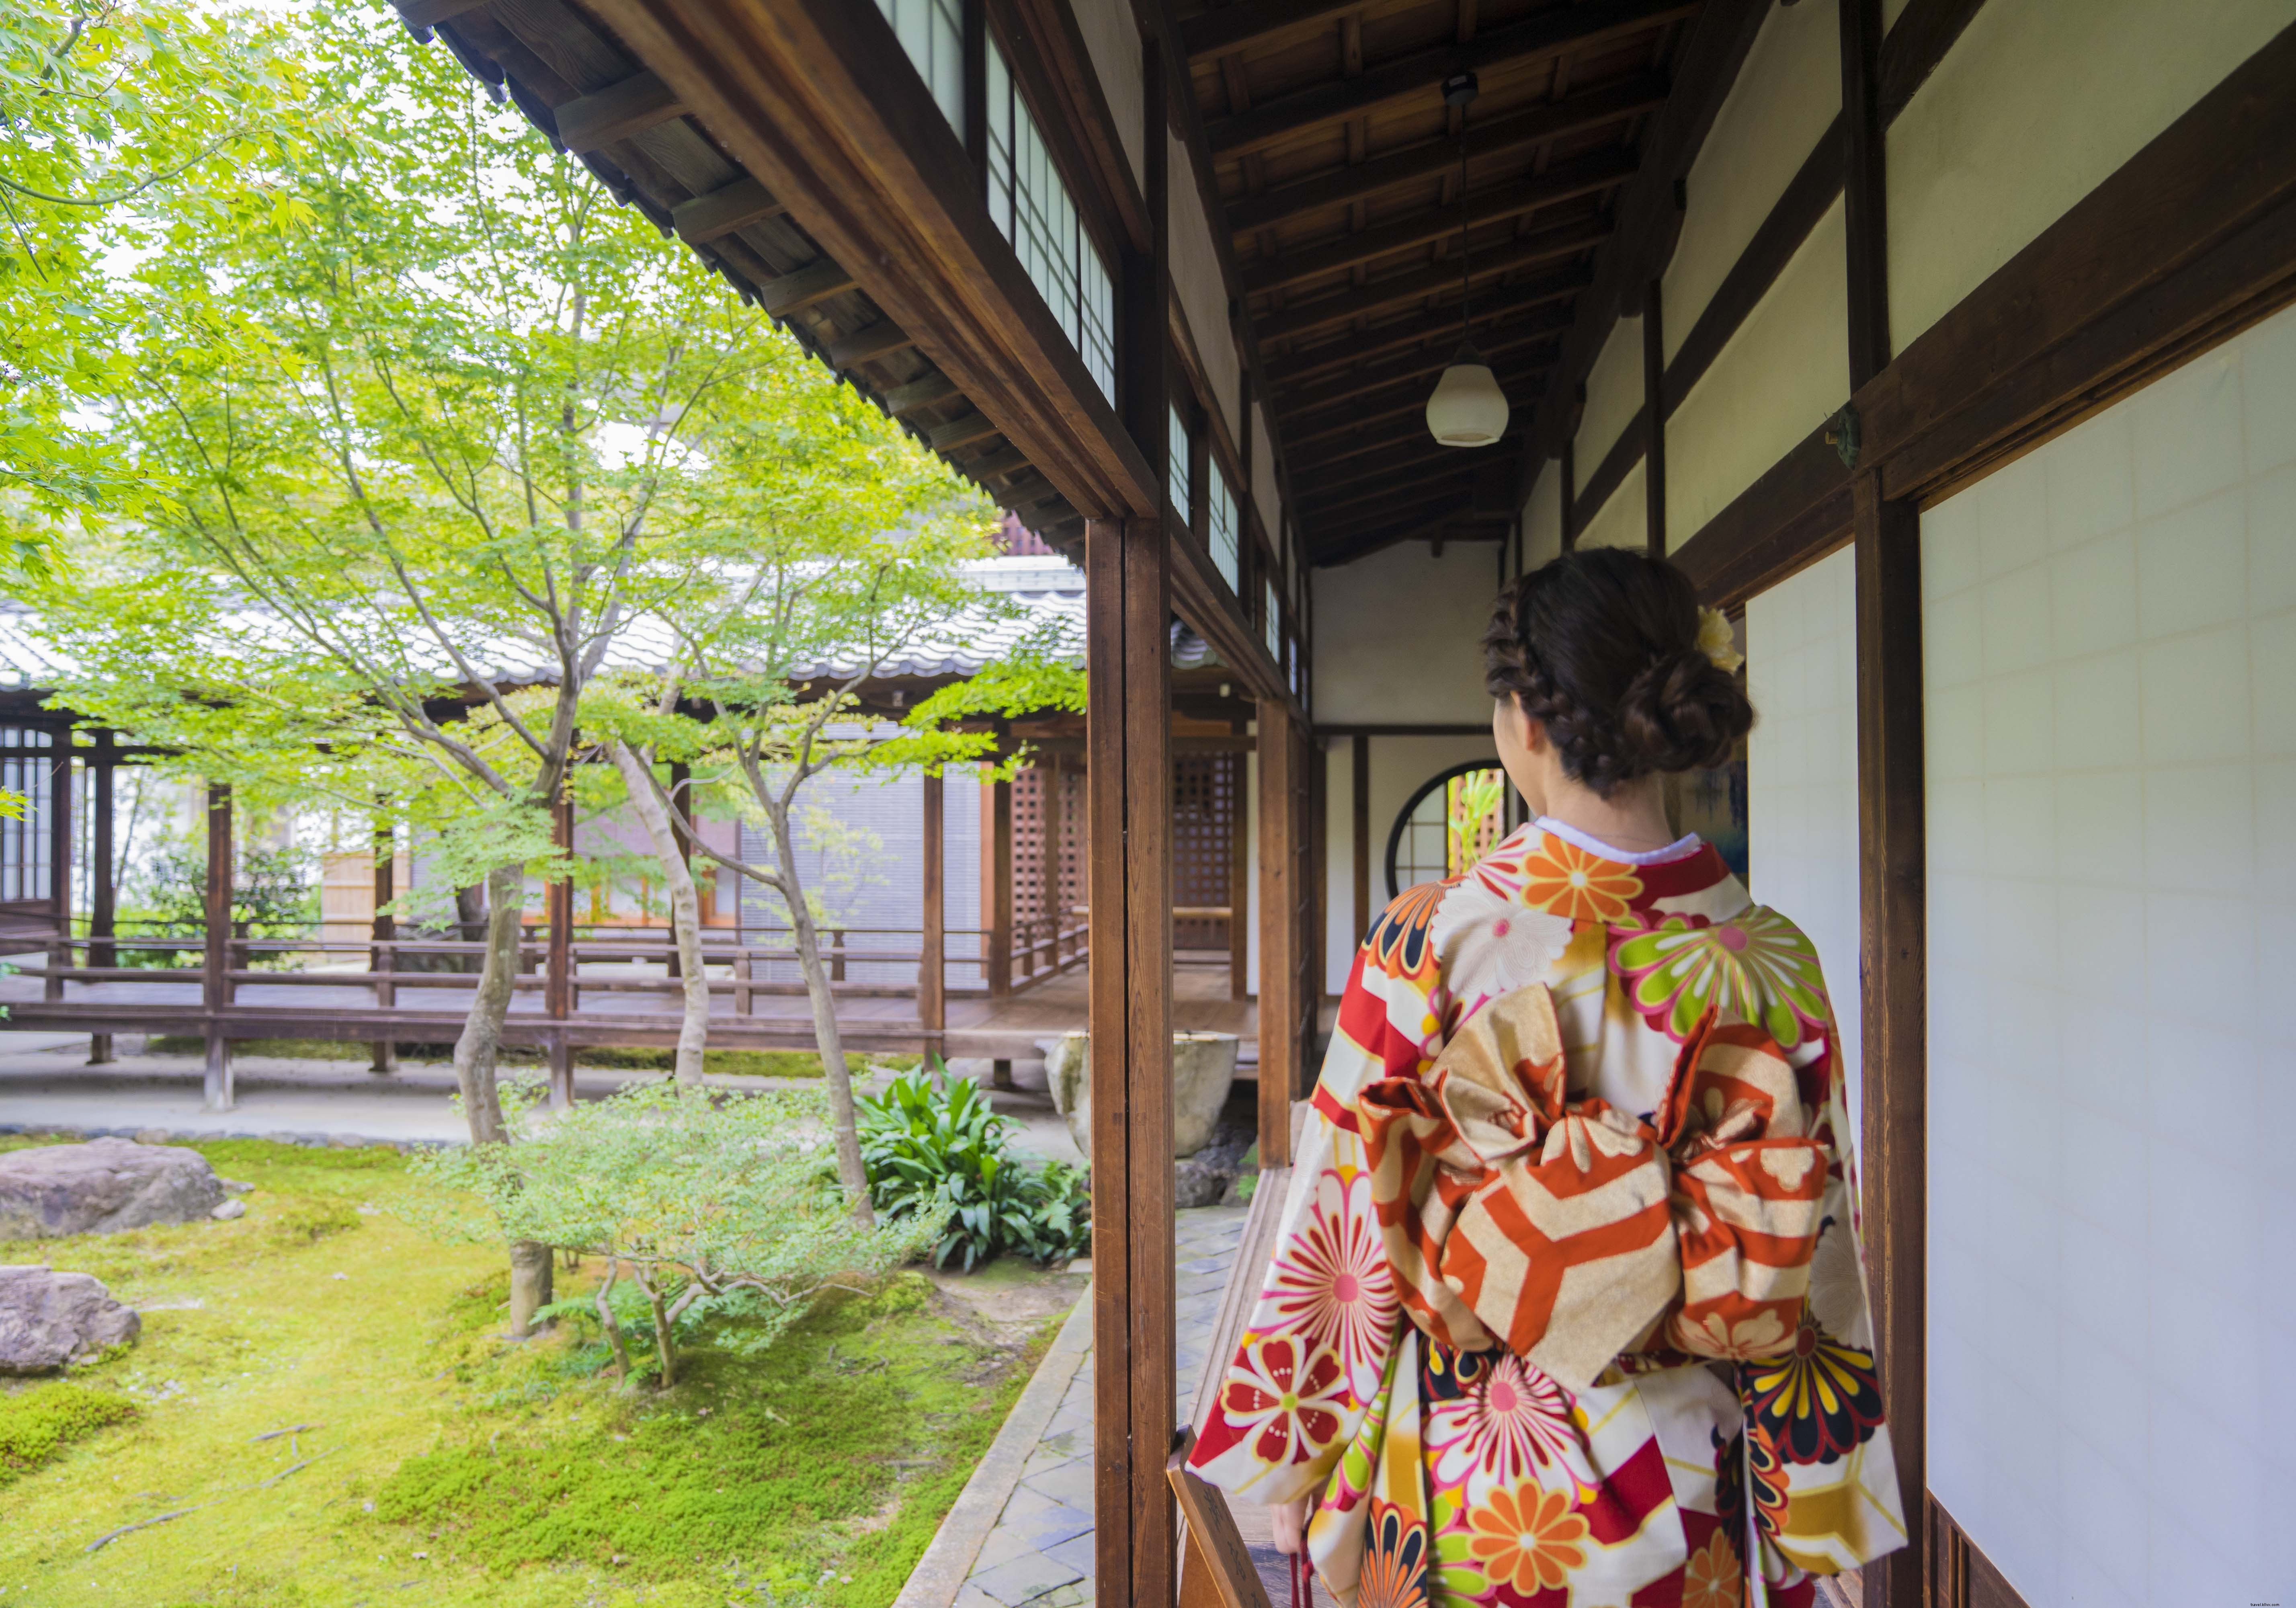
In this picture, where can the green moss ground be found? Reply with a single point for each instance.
(449, 1459)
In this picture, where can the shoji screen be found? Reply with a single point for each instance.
(1801, 770)
(2111, 666)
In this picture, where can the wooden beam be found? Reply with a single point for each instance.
(1556, 32)
(1431, 359)
(962, 431)
(1865, 195)
(1359, 538)
(1395, 479)
(919, 393)
(817, 99)
(1281, 1054)
(1893, 1044)
(1406, 500)
(1548, 245)
(1439, 157)
(616, 112)
(1918, 41)
(430, 13)
(1585, 175)
(1653, 420)
(1379, 465)
(1514, 378)
(792, 292)
(722, 210)
(1514, 310)
(1611, 473)
(866, 345)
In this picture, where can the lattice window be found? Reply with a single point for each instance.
(932, 33)
(1031, 911)
(1223, 530)
(1177, 455)
(1272, 622)
(1030, 203)
(27, 762)
(1204, 802)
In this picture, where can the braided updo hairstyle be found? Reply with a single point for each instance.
(1601, 647)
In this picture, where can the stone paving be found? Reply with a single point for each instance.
(1039, 1555)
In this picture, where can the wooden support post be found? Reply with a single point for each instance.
(102, 895)
(382, 960)
(1654, 421)
(1360, 787)
(60, 862)
(1128, 659)
(932, 970)
(997, 886)
(1893, 899)
(1279, 931)
(558, 995)
(216, 955)
(1239, 880)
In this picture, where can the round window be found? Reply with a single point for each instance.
(1452, 821)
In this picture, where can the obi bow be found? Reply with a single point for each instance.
(1567, 1230)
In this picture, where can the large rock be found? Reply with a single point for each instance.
(1203, 1070)
(102, 1187)
(48, 1319)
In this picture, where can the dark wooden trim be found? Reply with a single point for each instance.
(1432, 358)
(1893, 917)
(1564, 240)
(932, 948)
(1359, 780)
(214, 955)
(996, 885)
(1961, 1576)
(1437, 157)
(616, 112)
(1239, 878)
(1925, 31)
(1545, 36)
(1653, 420)
(1280, 1050)
(1431, 330)
(1589, 175)
(2188, 242)
(1866, 189)
(1611, 472)
(723, 210)
(1404, 728)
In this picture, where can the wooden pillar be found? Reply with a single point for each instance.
(1653, 420)
(382, 959)
(933, 993)
(1127, 652)
(997, 886)
(1360, 783)
(103, 896)
(558, 997)
(1239, 879)
(60, 861)
(1279, 931)
(216, 957)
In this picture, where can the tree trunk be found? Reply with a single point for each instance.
(480, 1048)
(531, 1282)
(685, 912)
(471, 922)
(614, 1331)
(826, 1036)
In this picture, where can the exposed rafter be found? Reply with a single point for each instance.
(1531, 308)
(1548, 245)
(1423, 364)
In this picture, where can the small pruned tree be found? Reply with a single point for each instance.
(717, 1205)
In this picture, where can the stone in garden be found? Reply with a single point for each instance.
(228, 1210)
(102, 1187)
(48, 1319)
(1203, 1070)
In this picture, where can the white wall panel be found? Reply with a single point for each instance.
(1395, 634)
(1542, 518)
(1802, 772)
(1112, 38)
(1614, 393)
(1203, 291)
(2110, 654)
(1623, 520)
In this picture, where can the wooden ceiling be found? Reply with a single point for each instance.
(1339, 169)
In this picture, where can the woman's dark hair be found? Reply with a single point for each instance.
(1601, 647)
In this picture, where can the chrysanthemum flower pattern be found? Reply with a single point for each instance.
(1527, 1539)
(1757, 966)
(1287, 1395)
(1561, 877)
(1513, 1425)
(1331, 1284)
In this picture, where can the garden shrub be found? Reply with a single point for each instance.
(38, 1423)
(936, 1153)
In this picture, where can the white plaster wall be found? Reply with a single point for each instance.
(1265, 486)
(1786, 95)
(1614, 391)
(1782, 374)
(1623, 520)
(1542, 518)
(1801, 773)
(2110, 631)
(1203, 291)
(1112, 38)
(1397, 633)
(2037, 103)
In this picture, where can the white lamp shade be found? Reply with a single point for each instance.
(1468, 408)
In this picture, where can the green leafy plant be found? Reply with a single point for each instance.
(935, 1152)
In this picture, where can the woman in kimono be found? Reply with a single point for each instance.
(1568, 1306)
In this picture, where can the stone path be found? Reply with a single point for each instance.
(1039, 1554)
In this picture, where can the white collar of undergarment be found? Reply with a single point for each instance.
(1681, 847)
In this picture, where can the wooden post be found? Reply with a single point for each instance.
(680, 775)
(997, 886)
(1654, 421)
(382, 960)
(1279, 931)
(216, 957)
(102, 913)
(1239, 880)
(1127, 652)
(558, 996)
(932, 991)
(1360, 786)
(1893, 902)
(1048, 876)
(60, 861)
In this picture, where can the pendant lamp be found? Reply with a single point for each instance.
(1468, 408)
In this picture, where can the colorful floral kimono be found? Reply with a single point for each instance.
(1568, 1306)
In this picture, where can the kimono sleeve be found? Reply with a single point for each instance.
(1315, 1350)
